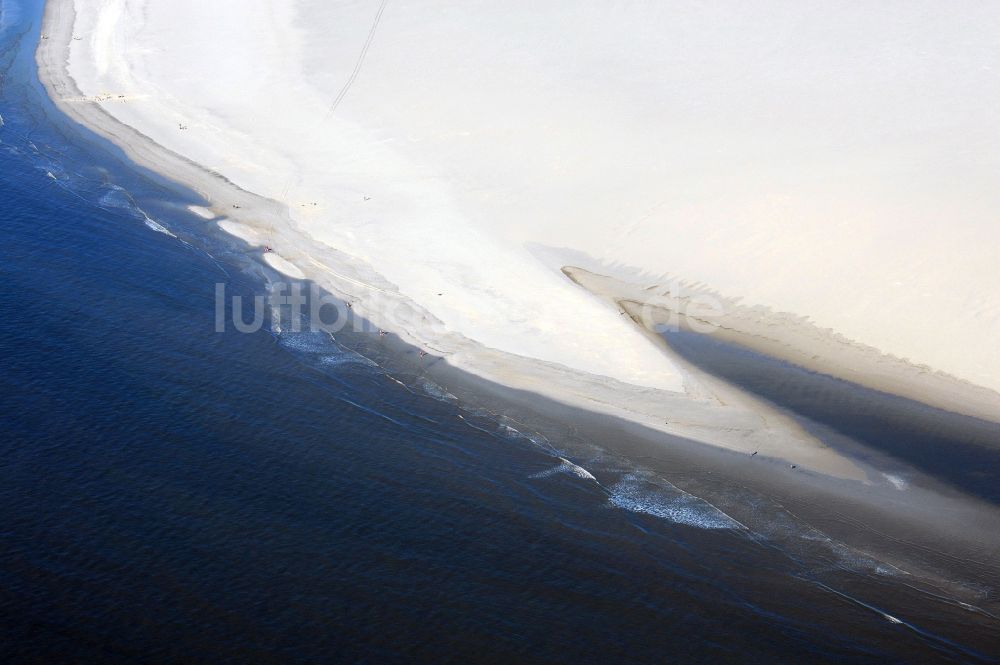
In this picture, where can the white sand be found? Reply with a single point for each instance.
(230, 72)
(834, 162)
(241, 231)
(283, 265)
(202, 212)
(838, 163)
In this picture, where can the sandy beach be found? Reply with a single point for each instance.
(450, 201)
(665, 332)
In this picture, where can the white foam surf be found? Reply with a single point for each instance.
(565, 467)
(159, 228)
(664, 500)
(897, 481)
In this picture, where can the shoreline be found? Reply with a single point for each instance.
(921, 554)
(926, 518)
(708, 411)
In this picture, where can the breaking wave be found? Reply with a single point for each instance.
(565, 467)
(666, 501)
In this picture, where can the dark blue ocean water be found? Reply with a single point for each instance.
(173, 494)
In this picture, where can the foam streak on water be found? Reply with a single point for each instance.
(666, 501)
(566, 467)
